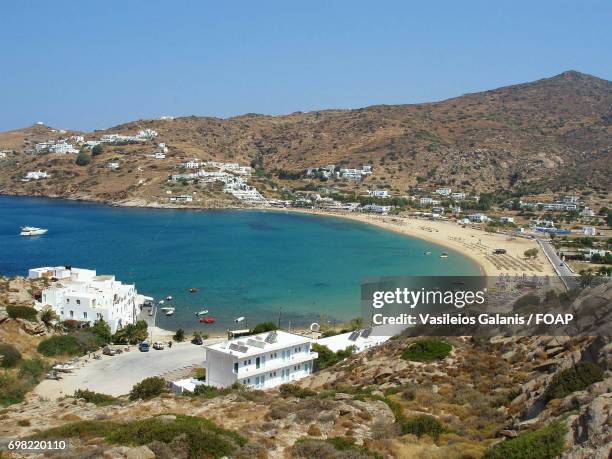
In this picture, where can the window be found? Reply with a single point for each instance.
(236, 367)
(67, 300)
(257, 362)
(84, 315)
(71, 313)
(78, 301)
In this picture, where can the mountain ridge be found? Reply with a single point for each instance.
(552, 134)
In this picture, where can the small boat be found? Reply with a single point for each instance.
(239, 319)
(202, 312)
(444, 255)
(32, 231)
(64, 367)
(193, 290)
(207, 320)
(170, 311)
(169, 298)
(427, 253)
(161, 301)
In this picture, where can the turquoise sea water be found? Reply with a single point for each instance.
(243, 263)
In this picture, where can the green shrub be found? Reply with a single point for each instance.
(148, 388)
(545, 443)
(132, 333)
(22, 312)
(9, 355)
(422, 425)
(327, 357)
(82, 159)
(333, 447)
(179, 336)
(293, 390)
(102, 330)
(33, 369)
(12, 390)
(97, 150)
(573, 379)
(199, 436)
(207, 392)
(59, 345)
(263, 327)
(76, 343)
(427, 350)
(95, 397)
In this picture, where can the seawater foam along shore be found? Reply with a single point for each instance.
(478, 245)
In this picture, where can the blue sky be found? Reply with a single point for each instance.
(88, 65)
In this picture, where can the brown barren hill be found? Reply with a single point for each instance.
(553, 134)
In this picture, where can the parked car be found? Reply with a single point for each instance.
(107, 350)
(197, 340)
(143, 347)
(158, 346)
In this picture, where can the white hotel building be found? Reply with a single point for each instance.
(81, 294)
(260, 361)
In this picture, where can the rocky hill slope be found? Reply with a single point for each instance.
(491, 398)
(553, 134)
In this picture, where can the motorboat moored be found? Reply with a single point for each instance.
(202, 312)
(207, 320)
(32, 231)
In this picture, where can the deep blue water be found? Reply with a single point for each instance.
(244, 263)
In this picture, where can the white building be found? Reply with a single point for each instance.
(478, 218)
(182, 198)
(63, 148)
(378, 193)
(571, 199)
(81, 294)
(359, 340)
(458, 196)
(506, 219)
(444, 191)
(587, 212)
(589, 231)
(190, 164)
(260, 361)
(36, 175)
(375, 208)
(113, 166)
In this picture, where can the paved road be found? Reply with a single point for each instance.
(116, 375)
(567, 275)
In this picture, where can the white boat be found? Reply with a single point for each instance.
(168, 311)
(239, 319)
(169, 298)
(161, 301)
(63, 367)
(32, 231)
(202, 312)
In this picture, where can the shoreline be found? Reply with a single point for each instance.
(443, 233)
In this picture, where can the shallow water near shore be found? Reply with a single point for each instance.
(256, 264)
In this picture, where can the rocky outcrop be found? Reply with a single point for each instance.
(590, 431)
